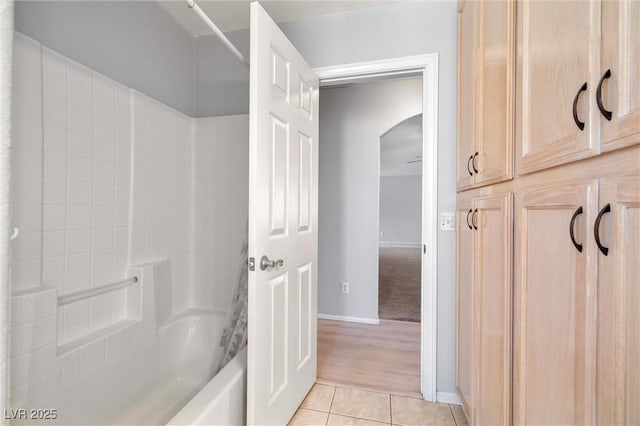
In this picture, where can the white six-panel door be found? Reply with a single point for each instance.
(283, 222)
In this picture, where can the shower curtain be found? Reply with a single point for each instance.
(234, 336)
(6, 49)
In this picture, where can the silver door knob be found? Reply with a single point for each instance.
(266, 263)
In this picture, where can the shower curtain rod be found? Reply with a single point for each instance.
(192, 5)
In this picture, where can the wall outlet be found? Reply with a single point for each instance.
(447, 221)
(344, 288)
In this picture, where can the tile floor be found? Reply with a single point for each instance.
(336, 405)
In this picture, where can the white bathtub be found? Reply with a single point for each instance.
(222, 401)
(168, 379)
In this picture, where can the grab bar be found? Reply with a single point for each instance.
(95, 291)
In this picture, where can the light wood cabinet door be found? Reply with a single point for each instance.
(466, 91)
(465, 305)
(494, 158)
(620, 92)
(619, 303)
(554, 307)
(493, 310)
(557, 53)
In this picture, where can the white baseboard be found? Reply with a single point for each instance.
(398, 244)
(349, 319)
(448, 398)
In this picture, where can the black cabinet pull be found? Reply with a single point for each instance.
(579, 123)
(473, 219)
(469, 166)
(607, 114)
(468, 224)
(473, 162)
(596, 228)
(571, 226)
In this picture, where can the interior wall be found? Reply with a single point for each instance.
(353, 119)
(221, 80)
(133, 42)
(400, 210)
(406, 28)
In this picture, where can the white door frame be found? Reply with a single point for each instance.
(428, 66)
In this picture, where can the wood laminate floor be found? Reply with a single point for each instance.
(384, 357)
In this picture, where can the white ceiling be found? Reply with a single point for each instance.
(399, 145)
(234, 15)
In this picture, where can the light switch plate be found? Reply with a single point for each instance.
(447, 221)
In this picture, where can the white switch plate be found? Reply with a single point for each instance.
(344, 288)
(447, 221)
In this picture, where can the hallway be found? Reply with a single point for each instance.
(384, 357)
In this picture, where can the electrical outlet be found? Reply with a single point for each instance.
(447, 222)
(344, 288)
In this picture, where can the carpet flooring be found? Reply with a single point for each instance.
(399, 284)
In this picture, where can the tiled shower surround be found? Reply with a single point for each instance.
(106, 180)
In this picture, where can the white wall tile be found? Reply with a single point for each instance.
(27, 246)
(102, 239)
(55, 139)
(55, 191)
(104, 194)
(33, 365)
(101, 314)
(55, 165)
(80, 193)
(29, 337)
(102, 266)
(53, 243)
(80, 144)
(79, 217)
(33, 305)
(76, 319)
(80, 169)
(53, 269)
(103, 216)
(79, 264)
(78, 241)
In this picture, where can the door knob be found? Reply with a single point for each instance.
(266, 263)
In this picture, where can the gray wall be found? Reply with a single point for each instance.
(222, 82)
(402, 29)
(400, 209)
(135, 43)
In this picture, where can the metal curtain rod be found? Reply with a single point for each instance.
(192, 5)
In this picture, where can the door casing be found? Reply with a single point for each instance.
(427, 66)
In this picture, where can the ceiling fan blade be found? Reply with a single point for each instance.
(414, 161)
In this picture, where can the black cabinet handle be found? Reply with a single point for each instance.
(596, 228)
(579, 123)
(473, 219)
(607, 114)
(468, 224)
(473, 162)
(469, 166)
(571, 226)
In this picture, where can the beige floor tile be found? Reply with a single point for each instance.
(305, 417)
(361, 404)
(337, 420)
(412, 411)
(458, 415)
(319, 398)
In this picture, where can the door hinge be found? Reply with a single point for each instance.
(252, 263)
(424, 248)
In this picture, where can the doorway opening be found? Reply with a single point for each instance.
(348, 290)
(400, 224)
